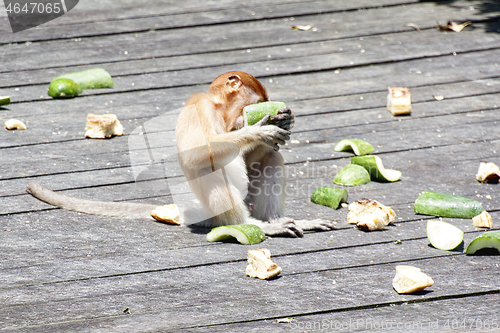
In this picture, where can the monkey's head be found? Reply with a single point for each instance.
(233, 91)
(239, 84)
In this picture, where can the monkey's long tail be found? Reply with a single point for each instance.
(103, 208)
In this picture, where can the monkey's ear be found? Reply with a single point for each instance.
(234, 83)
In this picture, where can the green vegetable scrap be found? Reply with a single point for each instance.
(352, 175)
(247, 234)
(4, 100)
(71, 85)
(64, 88)
(488, 239)
(329, 196)
(90, 79)
(359, 147)
(255, 112)
(373, 164)
(447, 205)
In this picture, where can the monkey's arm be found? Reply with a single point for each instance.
(249, 137)
(114, 209)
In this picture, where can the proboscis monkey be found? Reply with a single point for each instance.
(234, 170)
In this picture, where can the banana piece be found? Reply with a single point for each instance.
(15, 124)
(260, 264)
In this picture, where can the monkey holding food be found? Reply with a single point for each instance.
(228, 165)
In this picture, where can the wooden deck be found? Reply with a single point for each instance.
(67, 272)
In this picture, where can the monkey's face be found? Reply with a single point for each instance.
(241, 98)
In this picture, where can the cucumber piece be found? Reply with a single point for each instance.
(247, 234)
(329, 196)
(255, 112)
(352, 175)
(488, 239)
(443, 235)
(90, 79)
(359, 147)
(4, 100)
(373, 164)
(64, 88)
(447, 205)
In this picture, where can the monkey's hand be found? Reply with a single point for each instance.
(271, 135)
(285, 119)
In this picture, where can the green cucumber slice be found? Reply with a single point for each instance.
(352, 175)
(247, 234)
(255, 112)
(373, 164)
(443, 235)
(329, 196)
(64, 88)
(488, 239)
(4, 100)
(359, 147)
(90, 79)
(447, 205)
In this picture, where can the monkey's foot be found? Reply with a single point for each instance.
(281, 226)
(317, 224)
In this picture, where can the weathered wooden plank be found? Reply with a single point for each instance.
(132, 114)
(222, 37)
(442, 158)
(100, 10)
(193, 19)
(287, 296)
(163, 283)
(156, 190)
(398, 195)
(347, 52)
(66, 242)
(454, 170)
(288, 89)
(313, 130)
(115, 151)
(418, 72)
(468, 313)
(68, 272)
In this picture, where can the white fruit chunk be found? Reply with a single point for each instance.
(410, 279)
(488, 172)
(399, 101)
(102, 126)
(167, 214)
(260, 264)
(444, 236)
(370, 214)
